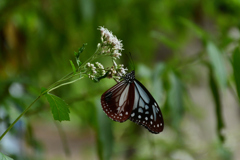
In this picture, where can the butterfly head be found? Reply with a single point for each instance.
(129, 77)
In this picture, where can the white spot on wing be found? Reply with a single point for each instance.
(146, 118)
(146, 107)
(132, 114)
(139, 116)
(141, 103)
(151, 116)
(140, 110)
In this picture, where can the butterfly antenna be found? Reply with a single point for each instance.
(131, 60)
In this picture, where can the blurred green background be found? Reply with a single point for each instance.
(182, 51)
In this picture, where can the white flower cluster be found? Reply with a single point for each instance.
(117, 71)
(110, 44)
(95, 70)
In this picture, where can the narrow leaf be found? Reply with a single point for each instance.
(73, 67)
(175, 99)
(196, 29)
(217, 63)
(104, 134)
(158, 83)
(4, 157)
(218, 105)
(59, 108)
(80, 50)
(236, 69)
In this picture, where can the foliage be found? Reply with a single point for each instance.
(179, 48)
(59, 108)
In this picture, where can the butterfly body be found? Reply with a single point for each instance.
(129, 99)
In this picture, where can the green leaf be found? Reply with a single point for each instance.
(175, 99)
(104, 134)
(164, 39)
(218, 105)
(196, 29)
(157, 82)
(4, 157)
(236, 69)
(76, 54)
(73, 67)
(59, 108)
(80, 50)
(217, 63)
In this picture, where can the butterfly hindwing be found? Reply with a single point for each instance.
(146, 111)
(117, 102)
(129, 99)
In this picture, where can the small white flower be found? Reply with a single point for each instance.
(116, 54)
(103, 72)
(111, 45)
(99, 65)
(98, 45)
(115, 64)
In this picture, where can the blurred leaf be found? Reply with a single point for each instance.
(164, 39)
(217, 63)
(32, 140)
(4, 157)
(73, 67)
(196, 29)
(143, 71)
(175, 99)
(59, 108)
(236, 69)
(104, 134)
(157, 81)
(218, 105)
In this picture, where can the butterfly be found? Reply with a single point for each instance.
(129, 99)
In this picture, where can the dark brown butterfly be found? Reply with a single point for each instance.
(129, 99)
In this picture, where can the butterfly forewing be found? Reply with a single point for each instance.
(146, 111)
(117, 102)
(129, 99)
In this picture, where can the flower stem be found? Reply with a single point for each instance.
(63, 84)
(19, 117)
(54, 86)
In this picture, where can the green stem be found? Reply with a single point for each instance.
(62, 79)
(63, 84)
(19, 117)
(53, 87)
